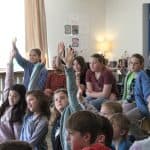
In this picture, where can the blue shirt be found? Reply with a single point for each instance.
(34, 131)
(142, 91)
(124, 144)
(28, 68)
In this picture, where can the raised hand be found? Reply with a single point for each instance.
(14, 43)
(61, 49)
(79, 94)
(69, 57)
(14, 47)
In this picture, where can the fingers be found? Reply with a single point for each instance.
(14, 40)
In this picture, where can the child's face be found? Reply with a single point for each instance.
(32, 104)
(76, 66)
(60, 101)
(135, 65)
(77, 141)
(13, 97)
(95, 65)
(105, 112)
(34, 57)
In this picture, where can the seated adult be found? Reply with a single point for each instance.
(100, 82)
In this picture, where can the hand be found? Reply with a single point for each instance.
(79, 95)
(48, 92)
(69, 57)
(14, 43)
(61, 49)
(14, 48)
(88, 93)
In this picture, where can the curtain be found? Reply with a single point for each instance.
(35, 26)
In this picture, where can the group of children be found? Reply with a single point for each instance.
(79, 102)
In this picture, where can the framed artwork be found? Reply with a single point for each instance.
(75, 42)
(75, 29)
(67, 29)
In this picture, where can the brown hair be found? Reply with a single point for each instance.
(107, 129)
(15, 145)
(37, 51)
(114, 107)
(54, 112)
(85, 122)
(139, 57)
(121, 121)
(43, 101)
(100, 58)
(82, 63)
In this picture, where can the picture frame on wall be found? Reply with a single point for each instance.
(75, 42)
(75, 29)
(67, 29)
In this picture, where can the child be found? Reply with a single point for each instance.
(13, 109)
(83, 129)
(101, 84)
(73, 104)
(80, 68)
(141, 93)
(28, 66)
(60, 103)
(109, 108)
(35, 125)
(56, 79)
(121, 126)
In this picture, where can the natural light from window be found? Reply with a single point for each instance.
(12, 25)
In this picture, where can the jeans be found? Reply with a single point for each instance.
(96, 102)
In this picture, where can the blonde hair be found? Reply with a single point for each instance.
(121, 121)
(114, 107)
(55, 114)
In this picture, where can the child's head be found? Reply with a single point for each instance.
(15, 99)
(35, 55)
(79, 64)
(109, 108)
(60, 99)
(37, 103)
(15, 145)
(83, 129)
(121, 126)
(136, 62)
(97, 62)
(106, 136)
(16, 94)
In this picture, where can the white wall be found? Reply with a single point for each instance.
(124, 21)
(119, 20)
(88, 14)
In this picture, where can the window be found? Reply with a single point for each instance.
(12, 25)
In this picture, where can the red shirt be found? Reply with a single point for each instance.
(96, 147)
(55, 81)
(106, 77)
